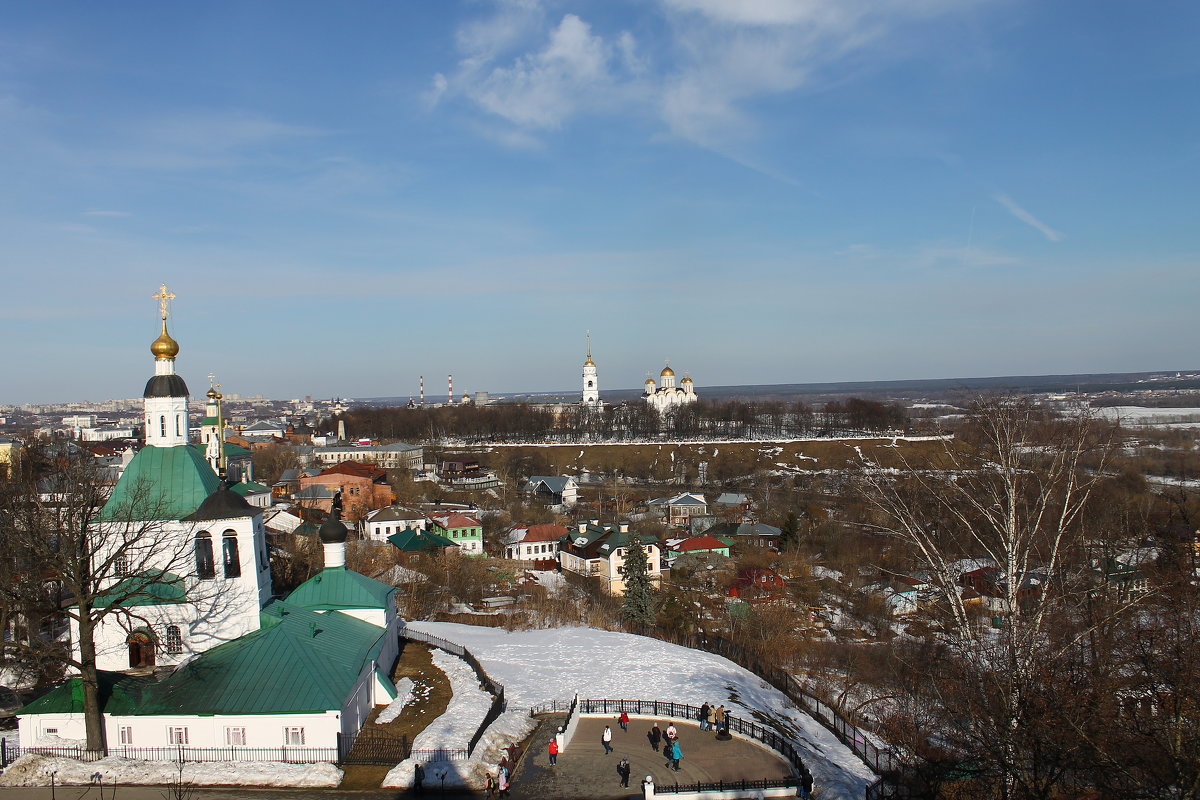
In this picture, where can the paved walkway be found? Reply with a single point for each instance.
(584, 771)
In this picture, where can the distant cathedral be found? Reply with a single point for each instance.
(667, 397)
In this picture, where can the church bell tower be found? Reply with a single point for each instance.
(166, 395)
(591, 383)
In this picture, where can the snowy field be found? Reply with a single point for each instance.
(864, 437)
(556, 664)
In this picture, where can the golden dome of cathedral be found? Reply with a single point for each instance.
(666, 371)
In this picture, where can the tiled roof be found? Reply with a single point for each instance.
(161, 483)
(336, 588)
(700, 543)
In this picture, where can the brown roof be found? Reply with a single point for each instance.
(449, 521)
(357, 469)
(700, 543)
(544, 533)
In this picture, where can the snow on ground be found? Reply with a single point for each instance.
(1139, 415)
(540, 665)
(865, 437)
(455, 727)
(404, 695)
(32, 770)
(552, 580)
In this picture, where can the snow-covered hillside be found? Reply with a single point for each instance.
(540, 665)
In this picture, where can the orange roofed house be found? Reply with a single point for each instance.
(364, 487)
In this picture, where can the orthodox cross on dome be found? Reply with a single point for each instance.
(163, 297)
(589, 345)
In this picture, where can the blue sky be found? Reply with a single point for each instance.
(347, 196)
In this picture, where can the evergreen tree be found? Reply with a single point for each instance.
(638, 606)
(789, 534)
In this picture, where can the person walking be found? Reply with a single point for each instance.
(675, 754)
(711, 718)
(623, 770)
(502, 782)
(806, 783)
(552, 748)
(671, 734)
(606, 739)
(655, 736)
(704, 709)
(719, 717)
(490, 787)
(623, 720)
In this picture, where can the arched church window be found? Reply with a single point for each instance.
(229, 555)
(162, 426)
(172, 640)
(204, 556)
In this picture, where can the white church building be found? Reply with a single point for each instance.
(189, 587)
(666, 396)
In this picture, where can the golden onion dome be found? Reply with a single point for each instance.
(164, 346)
(666, 371)
(686, 380)
(212, 394)
(649, 381)
(589, 362)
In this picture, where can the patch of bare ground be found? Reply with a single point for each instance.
(431, 695)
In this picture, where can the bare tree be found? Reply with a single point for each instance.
(1009, 494)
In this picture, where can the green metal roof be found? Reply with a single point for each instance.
(161, 483)
(300, 661)
(118, 695)
(151, 588)
(414, 541)
(249, 487)
(337, 588)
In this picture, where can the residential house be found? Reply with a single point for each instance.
(364, 487)
(679, 509)
(536, 543)
(746, 534)
(758, 584)
(598, 552)
(410, 541)
(553, 490)
(697, 544)
(383, 522)
(464, 531)
(256, 494)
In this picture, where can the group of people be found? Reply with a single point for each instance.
(712, 718)
(497, 785)
(670, 743)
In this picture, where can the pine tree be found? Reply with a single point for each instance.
(789, 534)
(638, 606)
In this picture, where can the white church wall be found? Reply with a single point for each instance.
(310, 729)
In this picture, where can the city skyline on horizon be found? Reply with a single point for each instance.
(767, 192)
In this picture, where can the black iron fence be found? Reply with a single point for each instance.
(671, 710)
(289, 755)
(726, 786)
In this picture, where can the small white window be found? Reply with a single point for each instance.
(121, 566)
(293, 737)
(235, 737)
(177, 734)
(126, 734)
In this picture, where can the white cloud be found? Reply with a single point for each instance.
(575, 71)
(1029, 219)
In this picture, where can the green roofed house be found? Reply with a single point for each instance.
(411, 540)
